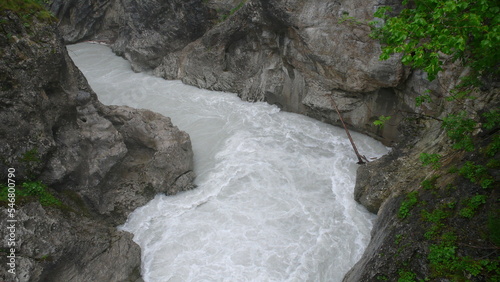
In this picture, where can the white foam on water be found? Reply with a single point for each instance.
(274, 200)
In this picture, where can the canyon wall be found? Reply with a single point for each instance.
(80, 167)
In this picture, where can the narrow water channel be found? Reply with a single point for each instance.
(274, 198)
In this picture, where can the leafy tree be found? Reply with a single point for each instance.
(429, 32)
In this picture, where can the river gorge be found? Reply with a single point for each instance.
(274, 190)
(211, 153)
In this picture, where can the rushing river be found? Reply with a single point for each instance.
(274, 198)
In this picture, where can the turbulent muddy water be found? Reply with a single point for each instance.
(274, 198)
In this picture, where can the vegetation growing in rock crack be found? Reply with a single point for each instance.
(31, 190)
(28, 189)
(231, 12)
(381, 121)
(27, 10)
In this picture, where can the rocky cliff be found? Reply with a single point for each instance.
(434, 223)
(75, 168)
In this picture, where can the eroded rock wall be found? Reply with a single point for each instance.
(142, 31)
(100, 162)
(406, 238)
(410, 237)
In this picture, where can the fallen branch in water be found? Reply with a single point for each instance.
(361, 159)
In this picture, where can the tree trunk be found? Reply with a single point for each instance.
(361, 159)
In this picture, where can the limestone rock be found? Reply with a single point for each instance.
(159, 160)
(143, 31)
(56, 246)
(297, 55)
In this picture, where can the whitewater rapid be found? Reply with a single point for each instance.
(274, 197)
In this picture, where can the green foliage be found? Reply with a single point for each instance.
(406, 206)
(3, 193)
(406, 276)
(430, 159)
(224, 17)
(426, 98)
(432, 232)
(398, 239)
(466, 30)
(30, 156)
(31, 160)
(442, 256)
(493, 164)
(494, 227)
(492, 119)
(477, 174)
(445, 261)
(39, 190)
(472, 205)
(459, 129)
(494, 147)
(430, 184)
(381, 121)
(27, 9)
(31, 190)
(436, 216)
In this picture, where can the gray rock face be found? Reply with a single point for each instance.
(100, 162)
(403, 243)
(54, 245)
(159, 160)
(401, 169)
(143, 31)
(297, 55)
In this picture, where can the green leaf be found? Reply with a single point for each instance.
(431, 159)
(381, 121)
(467, 30)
